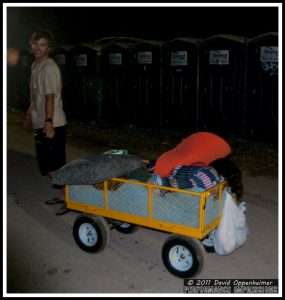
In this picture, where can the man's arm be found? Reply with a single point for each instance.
(49, 108)
(27, 123)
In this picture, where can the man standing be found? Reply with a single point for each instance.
(45, 113)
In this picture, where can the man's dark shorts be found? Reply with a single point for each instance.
(50, 152)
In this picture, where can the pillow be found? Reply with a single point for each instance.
(96, 169)
(200, 148)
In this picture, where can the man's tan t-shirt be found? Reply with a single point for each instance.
(45, 80)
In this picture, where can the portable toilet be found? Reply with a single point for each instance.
(24, 77)
(179, 84)
(86, 58)
(145, 83)
(261, 105)
(99, 86)
(116, 69)
(64, 59)
(222, 60)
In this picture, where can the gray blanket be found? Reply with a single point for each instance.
(96, 169)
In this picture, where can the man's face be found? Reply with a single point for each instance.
(40, 49)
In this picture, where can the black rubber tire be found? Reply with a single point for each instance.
(126, 228)
(209, 249)
(92, 234)
(207, 243)
(188, 250)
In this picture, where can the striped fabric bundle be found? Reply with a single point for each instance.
(185, 177)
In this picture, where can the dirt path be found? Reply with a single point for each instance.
(42, 256)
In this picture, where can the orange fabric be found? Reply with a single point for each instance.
(200, 148)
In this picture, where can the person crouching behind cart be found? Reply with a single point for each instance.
(45, 113)
(231, 173)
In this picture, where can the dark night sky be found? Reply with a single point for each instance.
(73, 25)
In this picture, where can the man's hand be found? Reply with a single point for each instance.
(27, 123)
(49, 130)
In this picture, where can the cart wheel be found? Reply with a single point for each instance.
(208, 242)
(183, 256)
(126, 228)
(92, 234)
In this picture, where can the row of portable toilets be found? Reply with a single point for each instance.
(224, 84)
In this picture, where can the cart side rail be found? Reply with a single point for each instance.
(174, 210)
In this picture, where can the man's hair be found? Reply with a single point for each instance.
(43, 34)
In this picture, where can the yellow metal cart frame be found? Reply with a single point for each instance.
(159, 204)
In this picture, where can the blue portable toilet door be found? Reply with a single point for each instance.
(145, 85)
(23, 75)
(80, 108)
(218, 98)
(180, 102)
(261, 105)
(115, 105)
(84, 83)
(116, 77)
(221, 85)
(65, 61)
(179, 85)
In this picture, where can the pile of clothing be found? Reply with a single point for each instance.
(187, 166)
(195, 178)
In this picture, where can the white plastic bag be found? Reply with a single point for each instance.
(232, 230)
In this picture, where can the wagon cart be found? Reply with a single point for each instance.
(125, 204)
